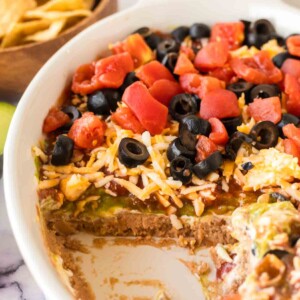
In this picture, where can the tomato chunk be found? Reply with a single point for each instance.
(292, 90)
(233, 33)
(213, 55)
(219, 104)
(150, 112)
(111, 71)
(258, 69)
(152, 72)
(232, 297)
(184, 65)
(293, 133)
(164, 90)
(88, 131)
(218, 133)
(200, 85)
(54, 120)
(293, 44)
(205, 147)
(138, 49)
(224, 73)
(268, 109)
(291, 66)
(188, 51)
(290, 147)
(125, 118)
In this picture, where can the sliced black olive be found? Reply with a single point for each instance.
(177, 149)
(241, 87)
(196, 125)
(265, 91)
(143, 31)
(129, 79)
(153, 40)
(187, 138)
(104, 101)
(170, 61)
(198, 101)
(73, 113)
(277, 252)
(287, 119)
(263, 26)
(63, 151)
(280, 58)
(199, 31)
(247, 25)
(278, 197)
(234, 144)
(264, 134)
(181, 169)
(182, 105)
(208, 165)
(280, 40)
(256, 39)
(132, 153)
(167, 46)
(231, 124)
(197, 45)
(180, 33)
(247, 166)
(294, 238)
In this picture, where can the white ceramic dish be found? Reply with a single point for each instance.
(25, 130)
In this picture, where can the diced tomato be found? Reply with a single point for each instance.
(164, 90)
(125, 118)
(138, 49)
(188, 51)
(213, 55)
(88, 131)
(232, 297)
(293, 133)
(184, 65)
(290, 147)
(111, 71)
(218, 133)
(219, 104)
(258, 69)
(225, 74)
(292, 90)
(117, 48)
(205, 147)
(268, 109)
(225, 268)
(200, 85)
(293, 44)
(54, 120)
(291, 66)
(84, 81)
(233, 33)
(150, 112)
(152, 72)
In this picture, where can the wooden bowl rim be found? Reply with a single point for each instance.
(100, 7)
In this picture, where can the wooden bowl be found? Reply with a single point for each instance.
(18, 65)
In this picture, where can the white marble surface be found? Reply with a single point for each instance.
(16, 281)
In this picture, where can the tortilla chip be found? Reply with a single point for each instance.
(21, 30)
(11, 11)
(47, 34)
(55, 15)
(62, 5)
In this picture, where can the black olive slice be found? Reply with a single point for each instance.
(132, 153)
(170, 61)
(199, 31)
(256, 39)
(153, 40)
(231, 124)
(63, 151)
(278, 197)
(277, 252)
(247, 166)
(73, 113)
(280, 58)
(166, 46)
(182, 105)
(129, 79)
(180, 33)
(263, 26)
(265, 91)
(285, 120)
(143, 31)
(181, 169)
(208, 165)
(241, 87)
(177, 149)
(187, 138)
(196, 125)
(234, 144)
(264, 134)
